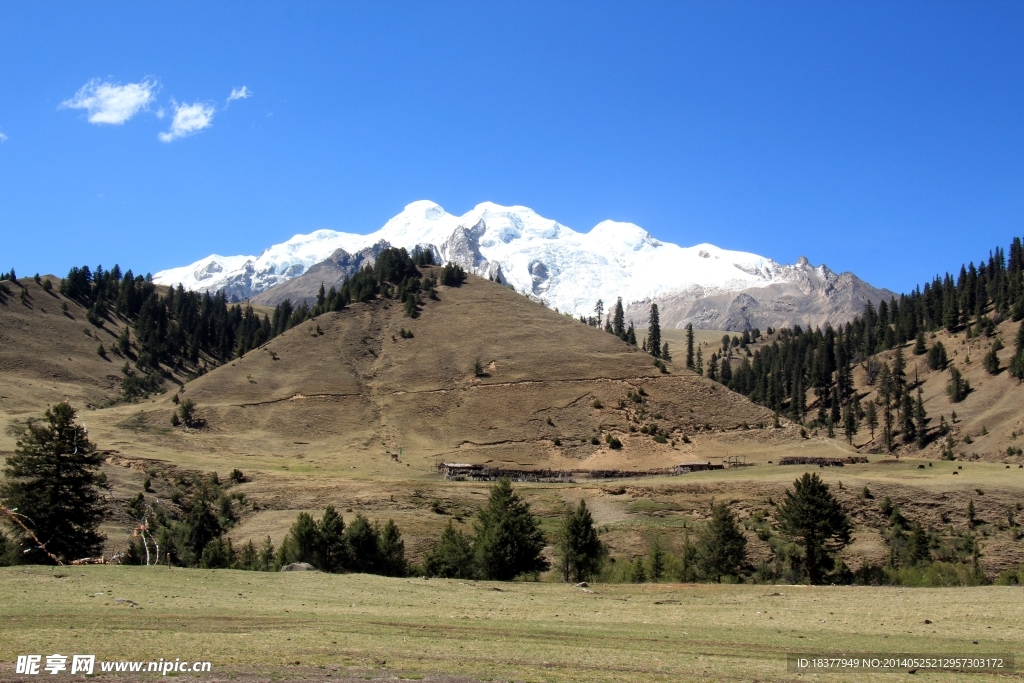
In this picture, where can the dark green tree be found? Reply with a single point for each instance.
(508, 539)
(920, 346)
(392, 550)
(656, 560)
(53, 481)
(850, 423)
(991, 360)
(937, 359)
(920, 420)
(907, 425)
(721, 546)
(452, 556)
(618, 319)
(302, 543)
(871, 417)
(654, 332)
(812, 518)
(331, 554)
(1017, 364)
(917, 546)
(957, 387)
(577, 546)
(363, 541)
(689, 346)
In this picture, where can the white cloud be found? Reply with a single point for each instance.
(3, 138)
(110, 102)
(188, 120)
(239, 94)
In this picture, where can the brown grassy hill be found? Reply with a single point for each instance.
(348, 384)
(47, 354)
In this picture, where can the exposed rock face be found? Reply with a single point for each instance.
(331, 273)
(815, 297)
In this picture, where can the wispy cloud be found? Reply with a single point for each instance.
(239, 94)
(112, 103)
(3, 138)
(188, 119)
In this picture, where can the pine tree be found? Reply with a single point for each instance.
(665, 355)
(957, 387)
(713, 367)
(700, 362)
(451, 557)
(54, 483)
(363, 541)
(654, 333)
(302, 543)
(656, 560)
(917, 545)
(920, 346)
(920, 420)
(577, 546)
(392, 550)
(331, 552)
(508, 538)
(618, 319)
(849, 422)
(991, 360)
(721, 546)
(812, 518)
(689, 346)
(907, 424)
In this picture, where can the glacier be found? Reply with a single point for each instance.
(547, 261)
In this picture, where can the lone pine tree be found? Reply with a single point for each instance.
(689, 346)
(508, 538)
(578, 548)
(812, 518)
(654, 333)
(54, 483)
(721, 547)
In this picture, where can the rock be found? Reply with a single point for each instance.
(125, 601)
(299, 567)
(582, 584)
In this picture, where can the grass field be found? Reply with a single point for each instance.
(291, 626)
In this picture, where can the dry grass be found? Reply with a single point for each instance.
(291, 625)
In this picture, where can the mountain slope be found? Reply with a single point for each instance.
(348, 388)
(813, 297)
(542, 258)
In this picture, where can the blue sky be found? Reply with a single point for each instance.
(884, 138)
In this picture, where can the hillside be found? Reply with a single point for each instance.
(348, 385)
(48, 354)
(989, 420)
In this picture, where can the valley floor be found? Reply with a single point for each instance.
(312, 626)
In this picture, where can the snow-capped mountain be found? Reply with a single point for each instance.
(542, 258)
